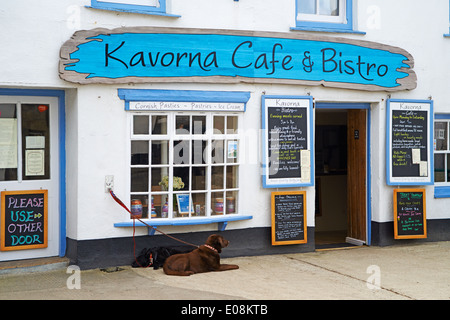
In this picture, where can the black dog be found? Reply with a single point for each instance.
(155, 257)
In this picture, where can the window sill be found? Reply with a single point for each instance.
(442, 192)
(324, 29)
(221, 220)
(149, 12)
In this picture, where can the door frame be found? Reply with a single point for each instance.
(364, 106)
(60, 95)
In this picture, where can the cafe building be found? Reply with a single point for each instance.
(286, 126)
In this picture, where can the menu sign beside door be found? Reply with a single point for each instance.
(409, 142)
(287, 141)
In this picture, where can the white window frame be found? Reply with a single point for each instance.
(446, 152)
(171, 136)
(317, 17)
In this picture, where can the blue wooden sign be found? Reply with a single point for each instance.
(144, 54)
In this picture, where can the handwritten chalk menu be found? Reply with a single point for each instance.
(409, 142)
(409, 214)
(23, 220)
(289, 217)
(287, 137)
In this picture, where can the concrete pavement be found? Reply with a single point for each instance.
(416, 271)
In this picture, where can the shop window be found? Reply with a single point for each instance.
(185, 165)
(158, 7)
(324, 15)
(441, 150)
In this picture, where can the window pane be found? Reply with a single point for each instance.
(199, 200)
(139, 152)
(180, 178)
(159, 124)
(232, 124)
(199, 178)
(448, 167)
(232, 177)
(217, 151)
(158, 183)
(232, 151)
(181, 152)
(199, 123)
(440, 135)
(182, 124)
(217, 177)
(160, 152)
(439, 167)
(35, 141)
(139, 179)
(217, 203)
(140, 125)
(199, 152)
(8, 142)
(159, 206)
(329, 7)
(144, 201)
(307, 6)
(219, 124)
(231, 202)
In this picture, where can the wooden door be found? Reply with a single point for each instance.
(356, 174)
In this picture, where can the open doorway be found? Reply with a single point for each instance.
(341, 170)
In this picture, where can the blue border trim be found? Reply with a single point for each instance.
(430, 146)
(326, 26)
(182, 96)
(264, 147)
(442, 192)
(366, 106)
(60, 94)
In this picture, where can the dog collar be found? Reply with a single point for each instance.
(209, 247)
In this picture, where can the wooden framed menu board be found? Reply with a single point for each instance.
(410, 221)
(289, 217)
(409, 142)
(287, 141)
(23, 220)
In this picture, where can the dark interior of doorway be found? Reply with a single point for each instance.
(331, 179)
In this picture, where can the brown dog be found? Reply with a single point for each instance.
(203, 259)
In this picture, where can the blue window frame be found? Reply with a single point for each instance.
(328, 15)
(448, 34)
(155, 7)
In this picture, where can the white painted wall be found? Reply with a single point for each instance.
(33, 32)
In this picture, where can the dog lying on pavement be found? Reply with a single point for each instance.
(203, 259)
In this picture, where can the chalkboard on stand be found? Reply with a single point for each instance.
(23, 220)
(409, 142)
(289, 218)
(410, 220)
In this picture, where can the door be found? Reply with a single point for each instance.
(29, 160)
(356, 174)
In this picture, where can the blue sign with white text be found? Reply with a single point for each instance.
(117, 57)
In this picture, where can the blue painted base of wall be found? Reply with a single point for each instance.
(383, 233)
(102, 253)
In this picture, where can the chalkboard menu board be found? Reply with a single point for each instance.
(23, 220)
(289, 218)
(409, 142)
(410, 214)
(287, 137)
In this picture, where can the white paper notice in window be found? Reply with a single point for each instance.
(8, 143)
